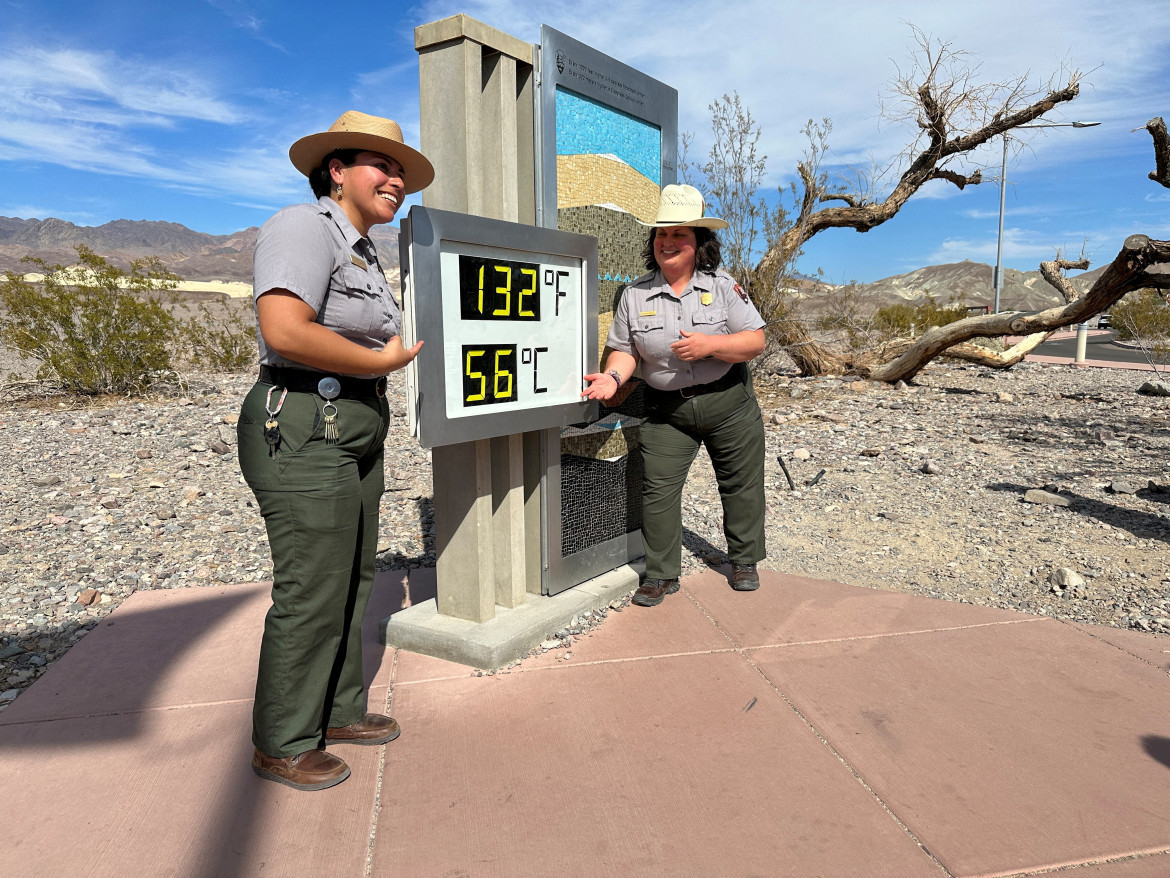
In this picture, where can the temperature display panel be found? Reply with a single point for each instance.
(507, 313)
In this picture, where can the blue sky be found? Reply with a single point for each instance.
(184, 111)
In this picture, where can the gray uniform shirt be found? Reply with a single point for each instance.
(314, 252)
(649, 316)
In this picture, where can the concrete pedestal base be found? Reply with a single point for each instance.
(512, 632)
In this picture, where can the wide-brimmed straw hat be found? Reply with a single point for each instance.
(354, 130)
(682, 205)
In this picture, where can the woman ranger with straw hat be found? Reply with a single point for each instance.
(310, 441)
(692, 329)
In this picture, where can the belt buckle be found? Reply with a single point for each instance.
(380, 387)
(682, 391)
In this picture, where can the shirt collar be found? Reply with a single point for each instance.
(352, 237)
(700, 281)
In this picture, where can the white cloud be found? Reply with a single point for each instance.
(791, 64)
(77, 84)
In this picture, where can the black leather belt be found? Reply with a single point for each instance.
(304, 381)
(734, 376)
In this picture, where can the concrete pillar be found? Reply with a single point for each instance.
(475, 108)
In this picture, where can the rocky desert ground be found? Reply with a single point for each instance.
(1043, 489)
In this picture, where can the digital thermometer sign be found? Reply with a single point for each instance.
(507, 313)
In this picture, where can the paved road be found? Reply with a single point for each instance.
(1100, 347)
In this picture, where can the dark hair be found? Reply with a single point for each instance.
(320, 180)
(708, 250)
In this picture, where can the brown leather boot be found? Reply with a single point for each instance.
(651, 592)
(311, 770)
(744, 577)
(373, 728)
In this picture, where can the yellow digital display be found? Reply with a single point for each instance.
(498, 289)
(489, 374)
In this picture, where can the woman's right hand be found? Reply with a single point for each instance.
(397, 355)
(602, 386)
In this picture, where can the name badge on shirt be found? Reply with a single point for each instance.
(705, 298)
(647, 313)
(359, 262)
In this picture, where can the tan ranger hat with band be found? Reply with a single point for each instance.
(354, 130)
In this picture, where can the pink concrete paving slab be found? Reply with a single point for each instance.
(1003, 748)
(1153, 648)
(413, 667)
(670, 766)
(176, 646)
(1157, 866)
(677, 626)
(171, 793)
(159, 648)
(796, 609)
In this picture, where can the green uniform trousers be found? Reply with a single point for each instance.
(320, 505)
(729, 424)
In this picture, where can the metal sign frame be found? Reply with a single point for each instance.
(429, 239)
(572, 65)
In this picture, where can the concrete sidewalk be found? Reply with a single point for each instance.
(807, 729)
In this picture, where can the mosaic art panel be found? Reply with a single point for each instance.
(586, 127)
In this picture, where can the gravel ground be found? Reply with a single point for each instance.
(917, 489)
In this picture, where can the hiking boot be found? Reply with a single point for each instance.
(744, 577)
(651, 592)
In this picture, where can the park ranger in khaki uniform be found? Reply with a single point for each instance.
(692, 329)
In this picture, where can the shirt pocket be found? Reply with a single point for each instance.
(711, 321)
(648, 335)
(354, 306)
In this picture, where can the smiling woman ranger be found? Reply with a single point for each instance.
(311, 432)
(692, 328)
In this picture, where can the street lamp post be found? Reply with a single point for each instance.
(997, 277)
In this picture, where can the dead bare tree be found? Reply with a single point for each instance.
(1129, 272)
(954, 115)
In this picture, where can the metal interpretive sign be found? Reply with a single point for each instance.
(508, 316)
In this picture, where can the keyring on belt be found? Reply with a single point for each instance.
(329, 388)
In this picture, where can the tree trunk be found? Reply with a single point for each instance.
(810, 356)
(1125, 274)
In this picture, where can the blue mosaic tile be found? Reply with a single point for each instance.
(585, 127)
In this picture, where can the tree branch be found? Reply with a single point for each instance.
(1052, 272)
(1161, 172)
(960, 180)
(850, 198)
(927, 165)
(1125, 274)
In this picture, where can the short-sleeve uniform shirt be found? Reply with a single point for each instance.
(314, 252)
(649, 317)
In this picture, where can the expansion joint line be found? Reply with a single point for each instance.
(840, 758)
(377, 809)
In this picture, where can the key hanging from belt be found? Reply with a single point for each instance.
(271, 427)
(329, 389)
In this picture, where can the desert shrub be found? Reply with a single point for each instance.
(1141, 316)
(904, 319)
(95, 328)
(221, 339)
(92, 328)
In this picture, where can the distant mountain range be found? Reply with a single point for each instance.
(195, 256)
